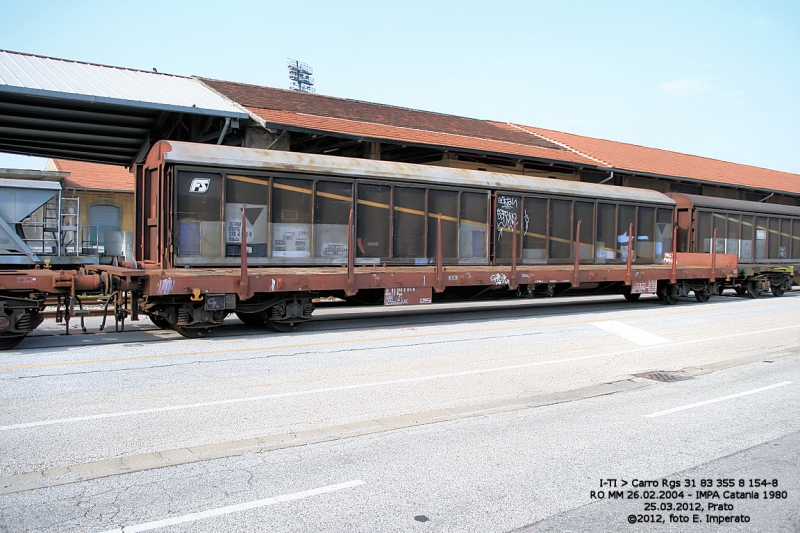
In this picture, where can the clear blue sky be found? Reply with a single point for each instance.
(718, 79)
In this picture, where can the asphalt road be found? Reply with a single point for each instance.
(488, 418)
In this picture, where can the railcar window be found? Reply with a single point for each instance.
(645, 235)
(746, 241)
(606, 233)
(332, 204)
(786, 238)
(252, 194)
(373, 228)
(560, 229)
(703, 232)
(507, 214)
(409, 224)
(664, 233)
(446, 204)
(774, 238)
(719, 225)
(733, 238)
(472, 227)
(627, 216)
(796, 238)
(534, 230)
(199, 214)
(291, 218)
(761, 237)
(584, 212)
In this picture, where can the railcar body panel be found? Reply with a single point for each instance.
(297, 208)
(758, 233)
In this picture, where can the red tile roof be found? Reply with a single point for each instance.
(95, 176)
(400, 125)
(382, 122)
(371, 130)
(640, 159)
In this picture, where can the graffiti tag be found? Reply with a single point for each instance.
(499, 279)
(165, 286)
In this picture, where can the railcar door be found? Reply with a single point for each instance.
(151, 209)
(507, 219)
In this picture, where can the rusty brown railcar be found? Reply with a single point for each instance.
(764, 237)
(261, 233)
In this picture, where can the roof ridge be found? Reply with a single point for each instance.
(558, 143)
(423, 131)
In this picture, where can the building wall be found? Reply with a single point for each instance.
(123, 200)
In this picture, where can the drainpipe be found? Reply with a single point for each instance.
(224, 130)
(611, 177)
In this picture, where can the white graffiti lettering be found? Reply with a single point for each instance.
(507, 202)
(505, 219)
(499, 279)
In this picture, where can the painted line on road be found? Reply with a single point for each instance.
(372, 384)
(211, 513)
(720, 399)
(630, 333)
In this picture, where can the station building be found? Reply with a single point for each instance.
(110, 115)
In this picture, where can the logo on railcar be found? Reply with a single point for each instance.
(200, 185)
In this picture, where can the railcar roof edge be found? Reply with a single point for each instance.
(255, 159)
(735, 205)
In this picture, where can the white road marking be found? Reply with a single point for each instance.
(720, 399)
(377, 383)
(635, 335)
(193, 517)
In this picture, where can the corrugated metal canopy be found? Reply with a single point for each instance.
(58, 108)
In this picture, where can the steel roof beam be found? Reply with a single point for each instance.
(71, 126)
(9, 141)
(26, 133)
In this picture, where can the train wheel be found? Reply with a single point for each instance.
(9, 341)
(631, 297)
(191, 333)
(777, 290)
(282, 327)
(668, 295)
(702, 296)
(740, 290)
(251, 319)
(160, 322)
(753, 289)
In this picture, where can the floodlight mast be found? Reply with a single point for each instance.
(300, 76)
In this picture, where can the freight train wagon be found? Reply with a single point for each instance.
(765, 238)
(261, 233)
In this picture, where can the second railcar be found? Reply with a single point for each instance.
(764, 237)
